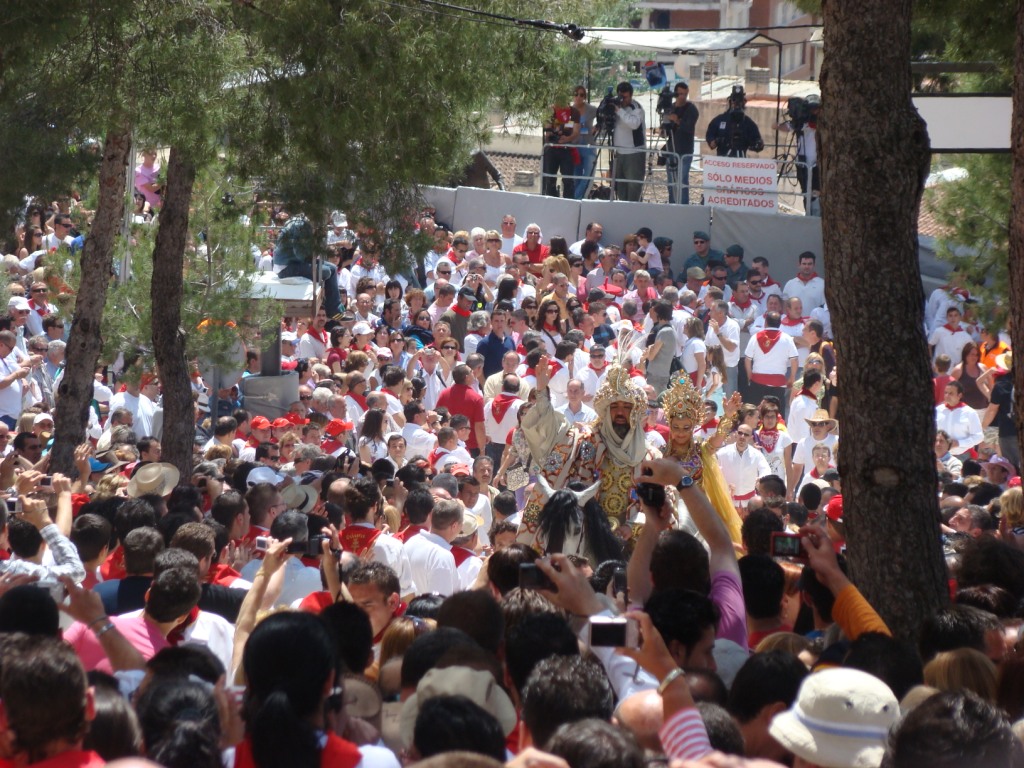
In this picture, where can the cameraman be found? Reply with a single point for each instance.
(803, 120)
(562, 128)
(683, 123)
(732, 133)
(628, 139)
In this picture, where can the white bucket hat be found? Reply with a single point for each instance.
(840, 719)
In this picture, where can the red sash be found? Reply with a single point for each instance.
(113, 566)
(461, 555)
(320, 336)
(337, 753)
(224, 575)
(358, 538)
(501, 404)
(767, 339)
(407, 533)
(315, 602)
(177, 634)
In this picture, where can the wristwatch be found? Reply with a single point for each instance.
(685, 483)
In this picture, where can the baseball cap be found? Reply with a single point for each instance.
(467, 293)
(259, 422)
(19, 303)
(362, 329)
(289, 336)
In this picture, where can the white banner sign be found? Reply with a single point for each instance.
(743, 183)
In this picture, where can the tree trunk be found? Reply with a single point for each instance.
(1016, 266)
(166, 294)
(71, 414)
(874, 161)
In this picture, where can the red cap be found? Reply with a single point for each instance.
(294, 418)
(280, 422)
(336, 426)
(1014, 482)
(259, 422)
(460, 470)
(834, 509)
(611, 288)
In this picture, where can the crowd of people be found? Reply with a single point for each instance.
(538, 503)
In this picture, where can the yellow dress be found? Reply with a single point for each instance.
(703, 467)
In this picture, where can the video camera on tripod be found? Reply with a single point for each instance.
(802, 110)
(606, 111)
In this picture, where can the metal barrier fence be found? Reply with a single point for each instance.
(667, 175)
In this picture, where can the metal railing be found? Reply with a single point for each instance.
(656, 175)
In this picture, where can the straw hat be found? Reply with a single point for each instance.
(822, 415)
(478, 686)
(159, 477)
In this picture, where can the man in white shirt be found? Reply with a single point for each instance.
(133, 399)
(315, 341)
(803, 406)
(418, 441)
(742, 466)
(363, 537)
(509, 238)
(806, 286)
(464, 549)
(792, 324)
(593, 234)
(823, 431)
(429, 552)
(593, 375)
(771, 361)
(501, 416)
(299, 580)
(724, 332)
(951, 338)
(958, 420)
(576, 411)
(364, 313)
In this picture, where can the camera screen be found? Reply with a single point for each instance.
(532, 577)
(607, 635)
(786, 546)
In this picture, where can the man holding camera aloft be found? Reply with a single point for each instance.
(629, 141)
(732, 133)
(680, 124)
(562, 128)
(803, 121)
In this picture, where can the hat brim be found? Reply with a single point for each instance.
(825, 749)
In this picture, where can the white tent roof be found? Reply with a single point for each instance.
(675, 40)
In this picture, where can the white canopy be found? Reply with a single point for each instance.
(675, 41)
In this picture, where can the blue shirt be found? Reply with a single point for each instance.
(493, 349)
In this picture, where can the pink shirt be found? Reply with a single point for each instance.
(143, 636)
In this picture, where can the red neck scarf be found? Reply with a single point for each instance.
(745, 305)
(555, 367)
(767, 339)
(597, 370)
(360, 399)
(961, 404)
(336, 753)
(358, 538)
(177, 634)
(768, 438)
(806, 392)
(501, 404)
(954, 291)
(460, 311)
(320, 336)
(552, 328)
(807, 279)
(40, 309)
(786, 320)
(530, 372)
(952, 328)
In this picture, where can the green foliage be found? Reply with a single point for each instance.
(976, 211)
(218, 275)
(358, 102)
